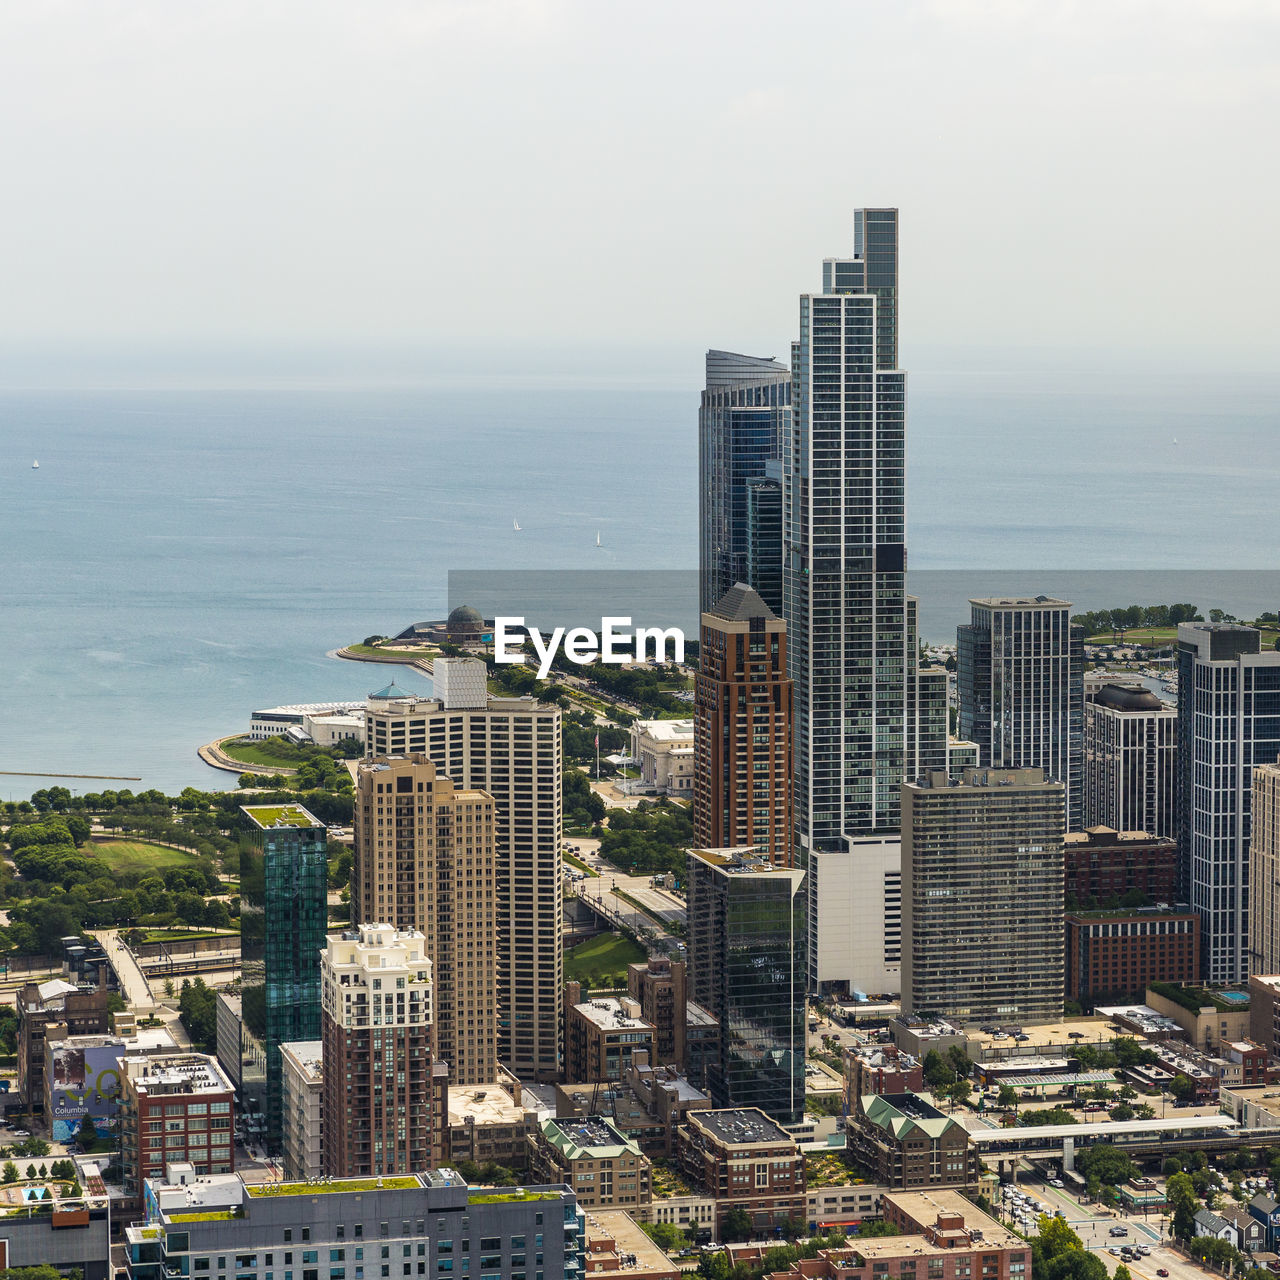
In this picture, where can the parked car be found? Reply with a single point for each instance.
(1162, 1272)
(1056, 1182)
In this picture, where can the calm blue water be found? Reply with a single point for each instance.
(181, 558)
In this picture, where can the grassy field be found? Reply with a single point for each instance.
(404, 655)
(259, 754)
(1159, 637)
(186, 935)
(602, 961)
(137, 855)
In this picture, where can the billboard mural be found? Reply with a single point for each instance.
(80, 1081)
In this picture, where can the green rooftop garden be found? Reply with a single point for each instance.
(329, 1188)
(208, 1215)
(273, 815)
(1194, 999)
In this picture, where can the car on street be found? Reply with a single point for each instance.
(1162, 1272)
(1056, 1182)
(1119, 1231)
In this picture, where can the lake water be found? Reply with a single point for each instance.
(180, 558)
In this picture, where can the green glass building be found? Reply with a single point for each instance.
(747, 937)
(283, 919)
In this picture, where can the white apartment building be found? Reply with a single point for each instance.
(302, 1076)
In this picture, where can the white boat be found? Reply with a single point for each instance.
(597, 537)
(515, 524)
(35, 466)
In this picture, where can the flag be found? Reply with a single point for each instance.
(597, 742)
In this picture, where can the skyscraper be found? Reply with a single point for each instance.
(741, 425)
(742, 729)
(747, 969)
(851, 641)
(1228, 722)
(424, 861)
(510, 748)
(284, 914)
(384, 1103)
(1130, 748)
(764, 534)
(982, 932)
(1020, 679)
(1264, 870)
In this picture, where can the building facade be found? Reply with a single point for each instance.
(764, 535)
(175, 1108)
(384, 1105)
(284, 914)
(663, 751)
(1264, 870)
(509, 748)
(1020, 681)
(982, 890)
(1228, 722)
(744, 1160)
(602, 1036)
(605, 1168)
(742, 729)
(1130, 770)
(909, 1144)
(1101, 865)
(1113, 956)
(431, 1221)
(302, 1062)
(746, 966)
(59, 1004)
(851, 642)
(425, 861)
(661, 988)
(741, 425)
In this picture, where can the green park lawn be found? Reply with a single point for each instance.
(138, 856)
(1158, 637)
(407, 655)
(602, 961)
(259, 754)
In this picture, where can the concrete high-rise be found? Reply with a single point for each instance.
(284, 916)
(1264, 870)
(741, 426)
(510, 748)
(384, 1101)
(851, 640)
(982, 929)
(1228, 722)
(742, 729)
(747, 969)
(1130, 747)
(425, 861)
(1020, 680)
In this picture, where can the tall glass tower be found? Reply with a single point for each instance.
(852, 649)
(284, 913)
(741, 426)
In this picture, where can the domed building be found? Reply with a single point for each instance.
(464, 626)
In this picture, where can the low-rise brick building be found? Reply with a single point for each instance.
(744, 1160)
(1114, 956)
(602, 1036)
(1102, 864)
(909, 1144)
(879, 1068)
(605, 1168)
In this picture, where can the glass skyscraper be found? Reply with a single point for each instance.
(850, 624)
(741, 425)
(1020, 680)
(284, 913)
(747, 969)
(764, 535)
(1228, 721)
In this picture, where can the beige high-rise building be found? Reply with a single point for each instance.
(425, 859)
(510, 748)
(1264, 871)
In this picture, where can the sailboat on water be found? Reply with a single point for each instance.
(35, 466)
(597, 537)
(515, 525)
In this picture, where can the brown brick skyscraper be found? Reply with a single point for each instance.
(742, 729)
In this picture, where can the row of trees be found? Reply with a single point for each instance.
(650, 839)
(1123, 619)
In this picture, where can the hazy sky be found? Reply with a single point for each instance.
(545, 175)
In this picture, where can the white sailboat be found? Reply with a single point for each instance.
(515, 525)
(597, 537)
(35, 466)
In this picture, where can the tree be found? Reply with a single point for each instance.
(736, 1226)
(960, 1092)
(32, 1173)
(1180, 1194)
(1171, 1166)
(938, 1072)
(1182, 1089)
(877, 1227)
(1008, 1096)
(1122, 1273)
(1076, 1264)
(1056, 1237)
(87, 1134)
(9, 1173)
(715, 1266)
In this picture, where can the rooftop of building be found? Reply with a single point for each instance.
(697, 1016)
(614, 1234)
(739, 860)
(665, 730)
(1057, 1035)
(609, 1013)
(742, 603)
(267, 816)
(1194, 998)
(927, 1207)
(1161, 911)
(1109, 835)
(307, 1056)
(1117, 697)
(588, 1137)
(1020, 602)
(887, 1056)
(310, 709)
(984, 778)
(373, 945)
(484, 1105)
(175, 1073)
(905, 1115)
(1141, 1016)
(741, 1126)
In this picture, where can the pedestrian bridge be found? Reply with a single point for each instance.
(1139, 1138)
